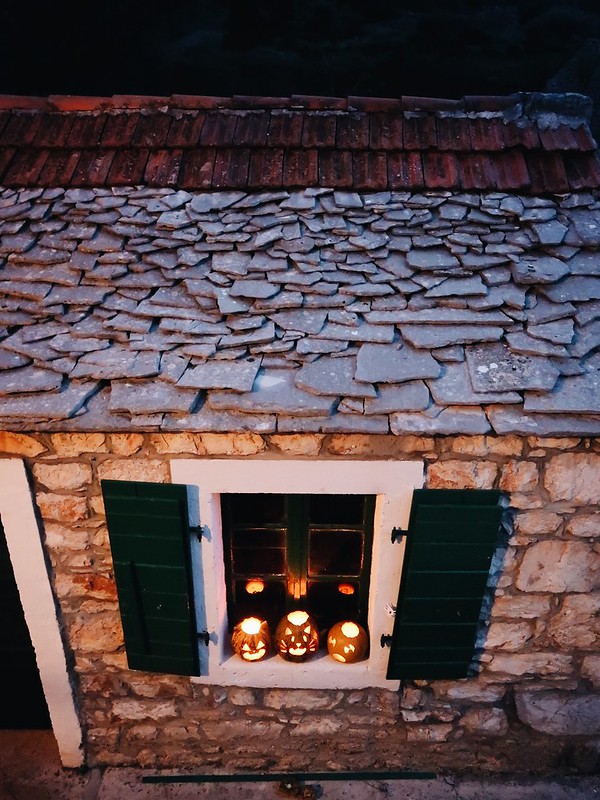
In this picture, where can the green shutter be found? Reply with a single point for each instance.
(452, 536)
(149, 538)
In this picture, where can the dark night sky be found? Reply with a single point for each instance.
(281, 47)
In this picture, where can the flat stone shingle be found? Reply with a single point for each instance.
(495, 368)
(236, 375)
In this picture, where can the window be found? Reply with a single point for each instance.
(369, 499)
(302, 529)
(288, 552)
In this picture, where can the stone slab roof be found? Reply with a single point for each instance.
(528, 143)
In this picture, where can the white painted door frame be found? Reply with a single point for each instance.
(27, 558)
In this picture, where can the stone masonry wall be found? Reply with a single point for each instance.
(539, 685)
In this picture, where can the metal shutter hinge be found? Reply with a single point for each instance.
(385, 640)
(398, 534)
(204, 636)
(197, 531)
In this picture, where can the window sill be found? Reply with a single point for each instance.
(319, 672)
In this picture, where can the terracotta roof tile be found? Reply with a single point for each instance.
(386, 131)
(163, 167)
(128, 167)
(419, 132)
(453, 133)
(27, 164)
(300, 168)
(21, 129)
(119, 129)
(185, 130)
(86, 130)
(476, 171)
(335, 168)
(487, 134)
(54, 130)
(353, 131)
(319, 130)
(266, 168)
(218, 129)
(93, 167)
(231, 168)
(547, 173)
(197, 167)
(405, 171)
(285, 130)
(152, 130)
(252, 129)
(59, 167)
(370, 170)
(440, 170)
(374, 143)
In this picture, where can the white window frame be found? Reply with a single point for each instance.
(392, 482)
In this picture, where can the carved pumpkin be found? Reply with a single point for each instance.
(297, 636)
(347, 642)
(251, 639)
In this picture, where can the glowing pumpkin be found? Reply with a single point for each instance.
(297, 636)
(347, 642)
(251, 639)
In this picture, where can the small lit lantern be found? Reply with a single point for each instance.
(255, 586)
(345, 588)
(347, 642)
(251, 639)
(297, 636)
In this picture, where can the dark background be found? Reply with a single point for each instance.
(280, 47)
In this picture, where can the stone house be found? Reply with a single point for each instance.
(340, 355)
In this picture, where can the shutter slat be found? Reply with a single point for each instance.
(149, 538)
(452, 535)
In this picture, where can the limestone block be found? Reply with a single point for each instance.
(59, 536)
(350, 444)
(144, 709)
(62, 477)
(462, 475)
(20, 444)
(553, 444)
(534, 523)
(241, 697)
(60, 507)
(560, 713)
(96, 633)
(505, 445)
(97, 586)
(485, 722)
(126, 444)
(428, 733)
(475, 691)
(590, 669)
(584, 525)
(177, 443)
(134, 469)
(516, 664)
(574, 477)
(508, 635)
(518, 606)
(470, 445)
(559, 566)
(302, 699)
(577, 624)
(297, 444)
(73, 444)
(318, 726)
(232, 444)
(519, 476)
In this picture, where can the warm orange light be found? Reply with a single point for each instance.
(345, 588)
(350, 629)
(255, 586)
(251, 625)
(297, 617)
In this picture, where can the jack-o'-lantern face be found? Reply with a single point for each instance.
(347, 642)
(297, 636)
(251, 639)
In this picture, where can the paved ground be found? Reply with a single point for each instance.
(30, 770)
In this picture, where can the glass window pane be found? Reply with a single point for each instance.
(335, 552)
(259, 561)
(253, 537)
(267, 604)
(337, 509)
(328, 605)
(257, 509)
